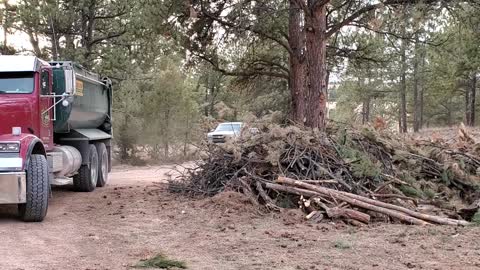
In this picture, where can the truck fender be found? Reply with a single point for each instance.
(32, 145)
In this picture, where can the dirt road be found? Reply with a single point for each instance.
(134, 217)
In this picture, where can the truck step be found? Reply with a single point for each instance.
(62, 181)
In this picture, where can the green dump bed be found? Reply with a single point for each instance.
(90, 107)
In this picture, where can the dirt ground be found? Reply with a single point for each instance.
(134, 217)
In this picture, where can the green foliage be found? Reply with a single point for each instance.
(161, 262)
(476, 218)
(410, 191)
(173, 65)
(447, 175)
(429, 193)
(159, 111)
(341, 244)
(361, 163)
(442, 56)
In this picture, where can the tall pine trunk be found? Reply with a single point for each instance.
(315, 25)
(470, 94)
(416, 91)
(421, 90)
(366, 110)
(166, 138)
(297, 78)
(403, 89)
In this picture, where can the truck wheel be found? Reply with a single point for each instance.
(35, 209)
(109, 149)
(86, 179)
(102, 164)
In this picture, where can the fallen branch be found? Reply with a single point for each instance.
(310, 193)
(319, 182)
(339, 195)
(337, 212)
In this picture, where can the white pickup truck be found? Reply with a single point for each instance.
(225, 132)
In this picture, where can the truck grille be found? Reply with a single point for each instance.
(218, 139)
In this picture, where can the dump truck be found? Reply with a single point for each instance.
(55, 125)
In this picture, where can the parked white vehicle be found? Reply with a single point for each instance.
(225, 132)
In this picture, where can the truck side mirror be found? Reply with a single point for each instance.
(44, 82)
(69, 81)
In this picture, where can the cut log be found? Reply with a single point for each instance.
(337, 194)
(313, 213)
(337, 212)
(319, 182)
(351, 201)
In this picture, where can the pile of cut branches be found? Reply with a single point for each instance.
(355, 175)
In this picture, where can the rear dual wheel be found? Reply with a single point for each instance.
(95, 172)
(86, 179)
(103, 164)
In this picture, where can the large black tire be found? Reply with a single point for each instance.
(103, 164)
(87, 177)
(38, 186)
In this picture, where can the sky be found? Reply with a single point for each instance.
(18, 40)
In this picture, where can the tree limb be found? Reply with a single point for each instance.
(246, 28)
(243, 73)
(107, 37)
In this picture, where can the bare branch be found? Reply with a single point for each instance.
(110, 16)
(335, 28)
(107, 37)
(250, 28)
(247, 73)
(360, 12)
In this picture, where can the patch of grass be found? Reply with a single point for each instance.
(402, 234)
(446, 176)
(476, 219)
(352, 230)
(411, 191)
(340, 244)
(429, 193)
(433, 231)
(162, 262)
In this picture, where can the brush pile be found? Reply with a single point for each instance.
(356, 175)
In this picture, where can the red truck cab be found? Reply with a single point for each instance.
(32, 153)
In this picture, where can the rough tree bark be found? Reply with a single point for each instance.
(297, 77)
(470, 94)
(366, 110)
(316, 39)
(367, 100)
(416, 92)
(55, 45)
(421, 90)
(472, 99)
(403, 89)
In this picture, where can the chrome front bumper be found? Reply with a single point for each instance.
(13, 188)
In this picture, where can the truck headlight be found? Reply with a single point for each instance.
(9, 147)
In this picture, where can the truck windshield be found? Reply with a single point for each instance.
(16, 83)
(228, 127)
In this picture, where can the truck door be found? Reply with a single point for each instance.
(46, 109)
